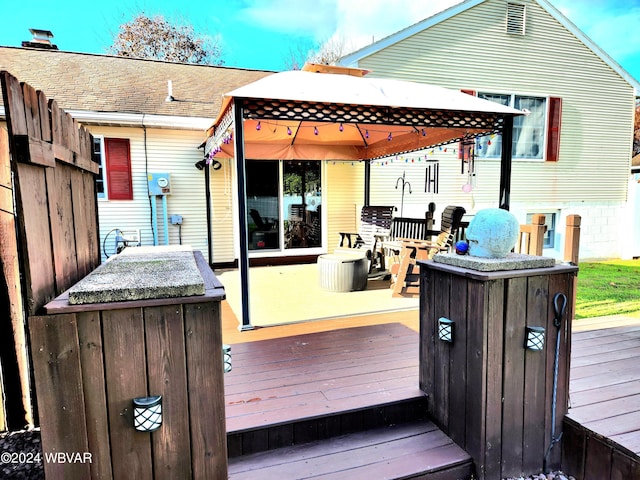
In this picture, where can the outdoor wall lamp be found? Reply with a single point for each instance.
(147, 413)
(534, 338)
(445, 329)
(226, 357)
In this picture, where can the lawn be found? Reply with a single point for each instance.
(608, 288)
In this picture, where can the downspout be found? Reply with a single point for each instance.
(243, 261)
(505, 162)
(207, 196)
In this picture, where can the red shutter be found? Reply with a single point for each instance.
(553, 129)
(118, 163)
(461, 145)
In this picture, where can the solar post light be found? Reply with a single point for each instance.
(445, 329)
(534, 338)
(147, 413)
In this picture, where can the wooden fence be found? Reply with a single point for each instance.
(49, 225)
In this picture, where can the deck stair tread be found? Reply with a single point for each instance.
(411, 450)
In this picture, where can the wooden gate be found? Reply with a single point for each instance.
(48, 225)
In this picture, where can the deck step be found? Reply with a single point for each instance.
(415, 450)
(301, 430)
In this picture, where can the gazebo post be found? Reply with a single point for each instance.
(243, 261)
(505, 162)
(367, 183)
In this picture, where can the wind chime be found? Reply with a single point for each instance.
(468, 159)
(432, 177)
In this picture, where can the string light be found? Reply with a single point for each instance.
(341, 127)
(258, 126)
(390, 137)
(288, 130)
(366, 134)
(315, 130)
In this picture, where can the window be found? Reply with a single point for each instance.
(550, 223)
(536, 135)
(96, 156)
(114, 179)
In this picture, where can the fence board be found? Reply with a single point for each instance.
(125, 373)
(32, 113)
(62, 227)
(166, 364)
(56, 361)
(90, 341)
(45, 119)
(36, 244)
(204, 373)
(13, 102)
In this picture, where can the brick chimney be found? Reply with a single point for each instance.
(41, 39)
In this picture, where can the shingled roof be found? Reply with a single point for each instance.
(103, 83)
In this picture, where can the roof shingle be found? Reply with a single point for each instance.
(103, 83)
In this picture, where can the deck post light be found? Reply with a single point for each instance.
(226, 357)
(445, 329)
(534, 338)
(147, 413)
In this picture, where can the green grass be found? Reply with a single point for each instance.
(608, 288)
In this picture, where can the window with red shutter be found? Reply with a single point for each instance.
(118, 163)
(553, 129)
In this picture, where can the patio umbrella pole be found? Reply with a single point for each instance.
(243, 261)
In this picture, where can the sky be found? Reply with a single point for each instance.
(262, 34)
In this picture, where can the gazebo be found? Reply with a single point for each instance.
(336, 113)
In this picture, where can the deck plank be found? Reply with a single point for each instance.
(605, 380)
(318, 374)
(401, 450)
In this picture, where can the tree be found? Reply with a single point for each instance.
(157, 38)
(326, 53)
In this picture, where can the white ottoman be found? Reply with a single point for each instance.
(343, 272)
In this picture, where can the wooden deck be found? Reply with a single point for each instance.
(602, 429)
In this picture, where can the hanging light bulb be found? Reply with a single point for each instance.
(288, 130)
(315, 130)
(390, 137)
(424, 132)
(258, 126)
(366, 134)
(341, 128)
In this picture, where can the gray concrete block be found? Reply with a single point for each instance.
(513, 261)
(141, 274)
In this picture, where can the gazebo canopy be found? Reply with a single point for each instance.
(313, 115)
(334, 113)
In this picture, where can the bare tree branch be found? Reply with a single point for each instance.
(156, 38)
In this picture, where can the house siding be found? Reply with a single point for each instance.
(471, 50)
(343, 199)
(167, 151)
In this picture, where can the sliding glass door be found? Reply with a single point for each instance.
(284, 203)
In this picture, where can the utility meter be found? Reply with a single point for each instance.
(159, 183)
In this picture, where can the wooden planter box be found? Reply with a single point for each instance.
(91, 360)
(486, 391)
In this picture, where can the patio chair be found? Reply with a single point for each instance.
(374, 220)
(409, 250)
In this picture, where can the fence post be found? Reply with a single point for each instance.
(537, 234)
(572, 240)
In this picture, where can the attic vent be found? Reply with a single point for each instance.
(515, 18)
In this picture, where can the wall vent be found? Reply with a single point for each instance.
(516, 15)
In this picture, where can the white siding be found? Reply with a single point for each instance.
(344, 196)
(172, 151)
(472, 51)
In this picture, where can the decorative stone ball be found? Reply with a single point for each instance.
(492, 233)
(462, 247)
